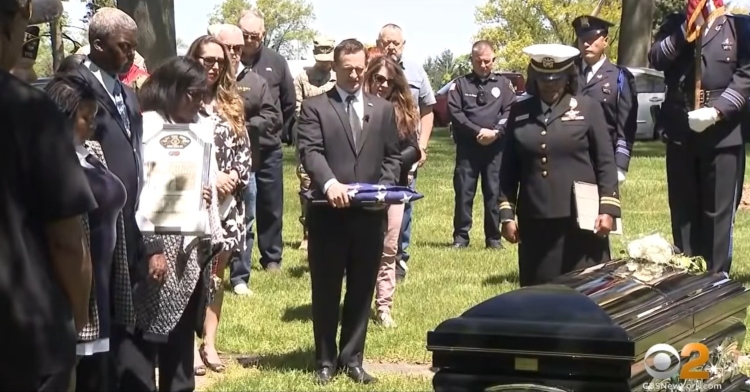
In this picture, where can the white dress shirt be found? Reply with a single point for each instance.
(107, 81)
(359, 108)
(595, 68)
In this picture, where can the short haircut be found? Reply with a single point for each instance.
(347, 46)
(70, 63)
(252, 13)
(68, 94)
(482, 45)
(217, 29)
(390, 26)
(169, 83)
(108, 21)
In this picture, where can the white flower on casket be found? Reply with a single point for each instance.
(653, 248)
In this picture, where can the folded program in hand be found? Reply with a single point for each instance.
(364, 194)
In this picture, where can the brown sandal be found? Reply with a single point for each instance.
(215, 367)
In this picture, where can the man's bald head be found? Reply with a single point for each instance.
(231, 37)
(391, 41)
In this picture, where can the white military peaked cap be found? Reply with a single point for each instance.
(551, 58)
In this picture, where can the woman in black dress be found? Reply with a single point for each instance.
(553, 139)
(111, 298)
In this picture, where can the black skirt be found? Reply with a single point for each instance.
(549, 248)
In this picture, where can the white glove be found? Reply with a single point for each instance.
(702, 118)
(620, 176)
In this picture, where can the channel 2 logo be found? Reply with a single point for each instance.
(660, 362)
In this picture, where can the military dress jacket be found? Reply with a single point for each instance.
(542, 159)
(620, 105)
(725, 79)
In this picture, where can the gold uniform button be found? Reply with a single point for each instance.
(544, 159)
(544, 146)
(544, 133)
(544, 173)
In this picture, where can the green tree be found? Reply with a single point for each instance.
(93, 5)
(445, 67)
(43, 66)
(287, 22)
(511, 25)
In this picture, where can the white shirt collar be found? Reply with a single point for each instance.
(597, 65)
(107, 80)
(344, 94)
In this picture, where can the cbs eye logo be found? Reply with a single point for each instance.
(662, 361)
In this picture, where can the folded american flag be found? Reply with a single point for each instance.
(371, 194)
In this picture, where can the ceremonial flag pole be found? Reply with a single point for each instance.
(699, 14)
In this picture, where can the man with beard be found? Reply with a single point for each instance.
(45, 270)
(391, 42)
(269, 179)
(119, 130)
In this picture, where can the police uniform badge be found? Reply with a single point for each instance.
(585, 21)
(605, 88)
(548, 62)
(495, 92)
(726, 44)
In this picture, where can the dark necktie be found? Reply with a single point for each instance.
(547, 114)
(353, 119)
(586, 72)
(119, 96)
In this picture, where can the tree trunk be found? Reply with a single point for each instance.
(58, 49)
(635, 32)
(156, 33)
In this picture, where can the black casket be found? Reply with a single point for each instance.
(590, 331)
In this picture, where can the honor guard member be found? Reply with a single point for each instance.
(554, 139)
(704, 145)
(612, 86)
(312, 81)
(478, 106)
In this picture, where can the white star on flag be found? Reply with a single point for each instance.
(352, 193)
(355, 187)
(406, 198)
(380, 197)
(380, 187)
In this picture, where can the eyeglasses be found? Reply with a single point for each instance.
(211, 61)
(380, 79)
(252, 36)
(234, 48)
(481, 97)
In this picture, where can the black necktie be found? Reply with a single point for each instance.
(586, 72)
(353, 119)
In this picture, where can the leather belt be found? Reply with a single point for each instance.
(709, 95)
(705, 96)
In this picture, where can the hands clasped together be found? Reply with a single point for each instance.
(602, 228)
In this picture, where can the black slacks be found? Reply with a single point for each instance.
(473, 161)
(137, 358)
(339, 240)
(553, 247)
(92, 373)
(269, 208)
(703, 189)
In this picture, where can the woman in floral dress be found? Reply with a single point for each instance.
(223, 107)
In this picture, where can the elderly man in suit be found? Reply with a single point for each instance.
(119, 130)
(345, 136)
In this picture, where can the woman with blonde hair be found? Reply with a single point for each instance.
(385, 78)
(223, 106)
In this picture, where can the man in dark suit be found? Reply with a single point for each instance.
(119, 130)
(345, 137)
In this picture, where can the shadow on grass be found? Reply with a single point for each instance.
(299, 359)
(655, 149)
(434, 244)
(292, 244)
(301, 313)
(298, 271)
(510, 277)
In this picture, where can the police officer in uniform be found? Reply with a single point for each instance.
(612, 86)
(478, 105)
(704, 145)
(553, 139)
(313, 81)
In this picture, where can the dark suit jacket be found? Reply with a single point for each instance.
(262, 114)
(123, 155)
(327, 148)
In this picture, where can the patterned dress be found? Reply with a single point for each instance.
(232, 153)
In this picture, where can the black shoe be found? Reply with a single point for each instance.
(460, 245)
(494, 244)
(324, 375)
(400, 271)
(359, 375)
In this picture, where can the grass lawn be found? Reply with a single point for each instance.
(442, 283)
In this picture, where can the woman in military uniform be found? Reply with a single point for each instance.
(553, 139)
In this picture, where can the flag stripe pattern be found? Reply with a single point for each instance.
(373, 194)
(698, 13)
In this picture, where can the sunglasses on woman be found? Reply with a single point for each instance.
(211, 61)
(380, 79)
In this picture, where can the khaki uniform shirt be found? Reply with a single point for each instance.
(311, 82)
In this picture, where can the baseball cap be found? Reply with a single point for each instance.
(323, 48)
